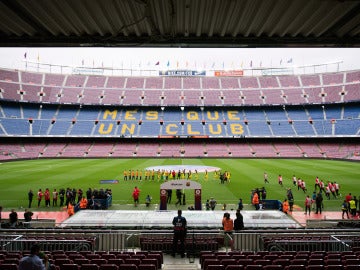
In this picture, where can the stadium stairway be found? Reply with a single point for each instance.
(177, 263)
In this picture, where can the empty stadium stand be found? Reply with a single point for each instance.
(157, 109)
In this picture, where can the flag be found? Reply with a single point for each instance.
(251, 63)
(38, 57)
(280, 62)
(157, 63)
(82, 62)
(25, 55)
(168, 64)
(289, 61)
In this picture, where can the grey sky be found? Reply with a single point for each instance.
(202, 58)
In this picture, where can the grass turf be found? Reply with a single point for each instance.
(17, 177)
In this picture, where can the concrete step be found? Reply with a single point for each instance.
(180, 266)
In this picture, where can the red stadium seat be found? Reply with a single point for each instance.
(108, 256)
(98, 261)
(352, 267)
(132, 261)
(89, 266)
(127, 266)
(8, 266)
(315, 267)
(254, 267)
(227, 262)
(334, 267)
(71, 266)
(152, 261)
(108, 267)
(146, 267)
(115, 261)
(210, 262)
(81, 261)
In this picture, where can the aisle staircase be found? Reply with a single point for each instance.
(177, 263)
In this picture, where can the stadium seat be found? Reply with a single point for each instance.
(227, 262)
(254, 267)
(71, 266)
(81, 261)
(108, 256)
(127, 266)
(132, 261)
(108, 267)
(210, 262)
(333, 262)
(315, 267)
(299, 262)
(11, 260)
(90, 266)
(146, 267)
(61, 261)
(98, 261)
(283, 262)
(152, 261)
(315, 261)
(115, 261)
(245, 262)
(352, 267)
(8, 266)
(334, 267)
(263, 262)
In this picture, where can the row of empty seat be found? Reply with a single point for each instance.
(180, 91)
(95, 149)
(201, 82)
(87, 260)
(50, 120)
(54, 94)
(291, 260)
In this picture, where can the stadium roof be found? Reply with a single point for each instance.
(180, 23)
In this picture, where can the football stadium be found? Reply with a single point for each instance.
(97, 161)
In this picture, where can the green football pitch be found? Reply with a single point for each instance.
(17, 177)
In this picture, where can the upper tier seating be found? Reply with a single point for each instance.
(289, 89)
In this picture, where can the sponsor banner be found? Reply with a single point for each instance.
(277, 71)
(88, 71)
(109, 181)
(182, 73)
(229, 73)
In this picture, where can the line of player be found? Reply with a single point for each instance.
(165, 175)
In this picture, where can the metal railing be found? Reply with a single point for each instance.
(197, 240)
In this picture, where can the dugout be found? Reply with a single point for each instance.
(183, 185)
